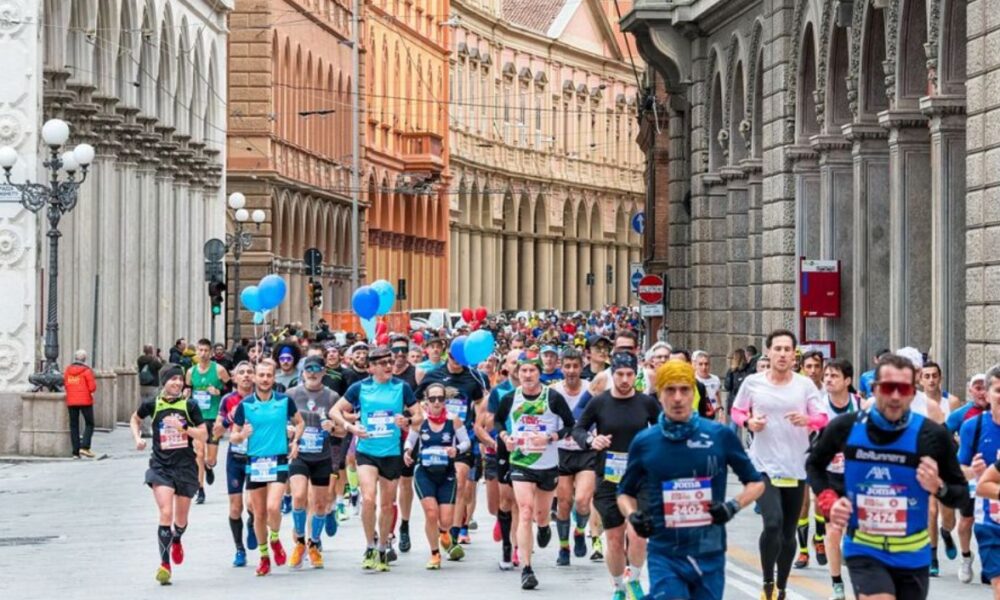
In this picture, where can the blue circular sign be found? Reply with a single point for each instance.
(639, 222)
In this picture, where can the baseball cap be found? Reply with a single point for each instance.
(976, 378)
(597, 339)
(549, 349)
(313, 361)
(379, 352)
(358, 346)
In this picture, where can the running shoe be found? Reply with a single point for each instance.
(381, 563)
(781, 595)
(528, 580)
(240, 560)
(279, 552)
(286, 504)
(369, 560)
(163, 574)
(456, 553)
(802, 561)
(543, 536)
(264, 568)
(618, 595)
(463, 536)
(965, 570)
(949, 544)
(200, 498)
(768, 592)
(497, 533)
(404, 541)
(935, 569)
(209, 474)
(434, 563)
(563, 559)
(251, 536)
(634, 589)
(820, 552)
(506, 566)
(330, 524)
(838, 592)
(315, 557)
(86, 452)
(444, 538)
(342, 513)
(598, 546)
(390, 555)
(176, 552)
(297, 554)
(579, 544)
(472, 525)
(515, 558)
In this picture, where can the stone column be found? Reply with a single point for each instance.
(571, 275)
(510, 270)
(755, 195)
(476, 271)
(948, 241)
(130, 291)
(805, 167)
(585, 299)
(486, 270)
(453, 254)
(527, 268)
(108, 241)
(558, 275)
(464, 268)
(909, 205)
(737, 260)
(166, 327)
(546, 283)
(599, 266)
(622, 274)
(182, 266)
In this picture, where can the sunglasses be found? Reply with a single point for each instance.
(435, 398)
(313, 369)
(383, 362)
(285, 359)
(399, 349)
(890, 387)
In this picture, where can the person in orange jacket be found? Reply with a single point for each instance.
(80, 388)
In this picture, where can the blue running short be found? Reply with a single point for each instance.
(670, 578)
(440, 487)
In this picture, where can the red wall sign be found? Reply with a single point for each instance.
(819, 288)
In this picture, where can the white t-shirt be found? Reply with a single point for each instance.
(712, 386)
(853, 405)
(780, 448)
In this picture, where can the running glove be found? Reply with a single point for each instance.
(641, 523)
(722, 512)
(825, 501)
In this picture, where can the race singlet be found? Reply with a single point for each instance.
(686, 502)
(203, 399)
(434, 456)
(614, 466)
(526, 432)
(882, 510)
(263, 469)
(380, 423)
(312, 440)
(172, 438)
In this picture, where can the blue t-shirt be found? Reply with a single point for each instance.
(958, 417)
(865, 383)
(668, 489)
(269, 419)
(987, 526)
(377, 405)
(503, 388)
(554, 376)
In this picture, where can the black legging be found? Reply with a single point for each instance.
(779, 507)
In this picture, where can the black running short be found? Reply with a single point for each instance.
(318, 470)
(184, 479)
(572, 462)
(490, 467)
(545, 479)
(606, 504)
(389, 467)
(338, 452)
(466, 458)
(281, 478)
(870, 577)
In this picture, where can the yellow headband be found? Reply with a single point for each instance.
(674, 371)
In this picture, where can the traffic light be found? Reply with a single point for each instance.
(217, 292)
(315, 294)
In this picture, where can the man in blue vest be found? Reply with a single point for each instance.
(894, 461)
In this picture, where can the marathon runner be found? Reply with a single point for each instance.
(550, 365)
(599, 348)
(529, 421)
(399, 346)
(987, 508)
(618, 416)
(236, 462)
(687, 537)
(781, 408)
(434, 347)
(261, 420)
(358, 369)
(812, 367)
(930, 383)
(379, 402)
(895, 460)
(434, 449)
(173, 469)
(206, 380)
(287, 355)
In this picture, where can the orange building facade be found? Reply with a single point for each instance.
(406, 147)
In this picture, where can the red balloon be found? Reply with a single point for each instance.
(382, 339)
(381, 327)
(481, 313)
(418, 338)
(467, 315)
(475, 324)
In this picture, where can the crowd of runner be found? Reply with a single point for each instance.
(571, 421)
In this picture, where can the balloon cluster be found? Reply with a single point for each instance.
(266, 295)
(474, 318)
(370, 301)
(472, 349)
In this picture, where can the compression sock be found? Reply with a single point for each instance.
(820, 528)
(505, 519)
(263, 550)
(299, 521)
(562, 527)
(455, 532)
(274, 536)
(352, 479)
(178, 532)
(236, 526)
(618, 581)
(581, 522)
(802, 532)
(164, 538)
(837, 579)
(316, 528)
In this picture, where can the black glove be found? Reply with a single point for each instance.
(722, 512)
(641, 523)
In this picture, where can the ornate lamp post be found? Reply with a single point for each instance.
(238, 242)
(58, 197)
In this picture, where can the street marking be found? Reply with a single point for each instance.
(790, 594)
(753, 561)
(748, 589)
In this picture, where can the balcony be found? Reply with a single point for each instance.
(422, 151)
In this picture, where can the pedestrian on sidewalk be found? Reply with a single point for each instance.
(80, 388)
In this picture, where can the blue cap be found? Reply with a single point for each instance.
(551, 349)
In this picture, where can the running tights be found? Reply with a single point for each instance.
(779, 508)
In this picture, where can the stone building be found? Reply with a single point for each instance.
(405, 142)
(289, 142)
(854, 130)
(545, 172)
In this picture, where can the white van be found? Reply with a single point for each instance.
(436, 318)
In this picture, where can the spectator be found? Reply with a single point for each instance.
(177, 352)
(324, 334)
(80, 388)
(149, 363)
(220, 357)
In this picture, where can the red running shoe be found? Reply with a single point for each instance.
(264, 568)
(278, 551)
(177, 552)
(496, 532)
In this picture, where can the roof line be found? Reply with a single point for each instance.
(563, 18)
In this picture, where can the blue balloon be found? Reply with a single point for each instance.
(250, 298)
(457, 350)
(386, 296)
(258, 317)
(271, 291)
(479, 346)
(365, 302)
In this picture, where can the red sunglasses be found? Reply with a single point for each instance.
(890, 387)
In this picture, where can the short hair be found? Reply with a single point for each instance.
(698, 354)
(571, 353)
(813, 354)
(317, 346)
(683, 352)
(777, 333)
(842, 365)
(882, 353)
(627, 333)
(751, 349)
(993, 374)
(896, 361)
(80, 356)
(267, 362)
(205, 342)
(931, 364)
(657, 346)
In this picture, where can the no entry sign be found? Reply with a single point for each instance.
(651, 289)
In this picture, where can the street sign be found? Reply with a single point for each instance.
(636, 273)
(314, 262)
(651, 289)
(215, 249)
(651, 310)
(639, 222)
(214, 272)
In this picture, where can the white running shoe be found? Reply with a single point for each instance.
(965, 570)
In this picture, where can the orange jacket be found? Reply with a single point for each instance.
(80, 385)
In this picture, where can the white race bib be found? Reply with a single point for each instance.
(686, 502)
(434, 456)
(263, 469)
(311, 441)
(203, 399)
(172, 438)
(614, 466)
(457, 408)
(525, 433)
(380, 423)
(882, 511)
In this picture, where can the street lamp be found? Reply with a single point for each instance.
(238, 242)
(58, 197)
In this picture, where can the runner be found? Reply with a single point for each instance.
(780, 407)
(812, 367)
(529, 421)
(399, 345)
(577, 466)
(977, 405)
(379, 402)
(930, 383)
(618, 416)
(261, 420)
(310, 472)
(206, 380)
(687, 539)
(895, 460)
(987, 508)
(434, 348)
(236, 462)
(598, 348)
(358, 369)
(415, 355)
(712, 383)
(440, 439)
(287, 354)
(173, 469)
(550, 365)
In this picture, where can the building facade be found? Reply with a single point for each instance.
(405, 144)
(545, 171)
(289, 139)
(853, 130)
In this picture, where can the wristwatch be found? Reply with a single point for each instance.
(941, 491)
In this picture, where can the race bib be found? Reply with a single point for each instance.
(380, 423)
(203, 399)
(311, 441)
(525, 434)
(882, 511)
(240, 448)
(457, 408)
(614, 466)
(836, 465)
(263, 469)
(172, 438)
(784, 482)
(434, 456)
(686, 502)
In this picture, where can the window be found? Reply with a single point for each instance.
(459, 89)
(522, 122)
